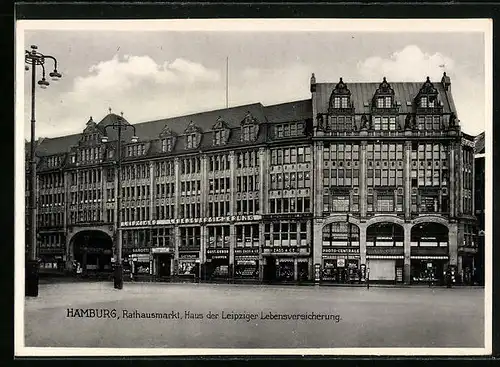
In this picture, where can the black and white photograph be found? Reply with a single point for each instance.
(253, 186)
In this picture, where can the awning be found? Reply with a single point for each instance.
(429, 257)
(384, 257)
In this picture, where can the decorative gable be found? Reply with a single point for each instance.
(193, 136)
(91, 133)
(249, 128)
(384, 96)
(221, 132)
(427, 96)
(168, 139)
(340, 99)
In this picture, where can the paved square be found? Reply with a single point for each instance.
(375, 317)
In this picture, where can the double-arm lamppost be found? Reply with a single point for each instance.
(33, 59)
(119, 126)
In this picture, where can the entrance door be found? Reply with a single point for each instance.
(163, 265)
(270, 269)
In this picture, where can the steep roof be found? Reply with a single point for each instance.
(362, 94)
(479, 144)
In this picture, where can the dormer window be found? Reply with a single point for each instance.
(221, 132)
(168, 138)
(427, 96)
(384, 96)
(249, 128)
(427, 102)
(191, 141)
(341, 102)
(136, 150)
(167, 145)
(384, 102)
(340, 98)
(193, 136)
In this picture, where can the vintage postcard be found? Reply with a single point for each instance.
(253, 187)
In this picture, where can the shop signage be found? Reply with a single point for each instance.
(234, 218)
(317, 272)
(140, 250)
(340, 250)
(219, 251)
(96, 250)
(188, 256)
(340, 263)
(246, 251)
(160, 250)
(284, 250)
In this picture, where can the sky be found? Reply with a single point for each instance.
(158, 74)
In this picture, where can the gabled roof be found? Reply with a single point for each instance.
(362, 94)
(290, 111)
(479, 144)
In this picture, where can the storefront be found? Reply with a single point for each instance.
(140, 262)
(385, 268)
(52, 261)
(246, 263)
(341, 265)
(163, 261)
(217, 265)
(188, 265)
(425, 269)
(286, 263)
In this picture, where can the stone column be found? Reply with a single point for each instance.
(151, 189)
(452, 194)
(177, 243)
(204, 245)
(104, 195)
(407, 253)
(261, 245)
(232, 243)
(407, 179)
(263, 177)
(204, 185)
(232, 182)
(362, 242)
(317, 169)
(453, 241)
(177, 187)
(295, 269)
(459, 177)
(318, 242)
(362, 180)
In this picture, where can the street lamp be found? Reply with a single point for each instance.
(34, 58)
(118, 274)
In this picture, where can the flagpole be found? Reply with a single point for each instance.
(227, 81)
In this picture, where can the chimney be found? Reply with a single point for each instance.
(445, 80)
(313, 83)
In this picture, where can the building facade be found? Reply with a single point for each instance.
(362, 178)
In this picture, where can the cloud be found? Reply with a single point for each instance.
(409, 64)
(412, 64)
(137, 85)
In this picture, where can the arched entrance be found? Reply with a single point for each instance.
(341, 256)
(385, 252)
(93, 251)
(429, 251)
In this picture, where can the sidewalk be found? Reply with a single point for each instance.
(50, 280)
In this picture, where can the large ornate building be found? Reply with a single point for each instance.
(360, 176)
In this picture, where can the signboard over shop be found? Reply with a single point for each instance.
(144, 250)
(219, 251)
(333, 250)
(246, 251)
(234, 218)
(286, 250)
(161, 250)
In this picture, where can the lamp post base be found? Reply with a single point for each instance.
(118, 277)
(31, 278)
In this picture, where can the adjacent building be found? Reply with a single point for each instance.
(360, 176)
